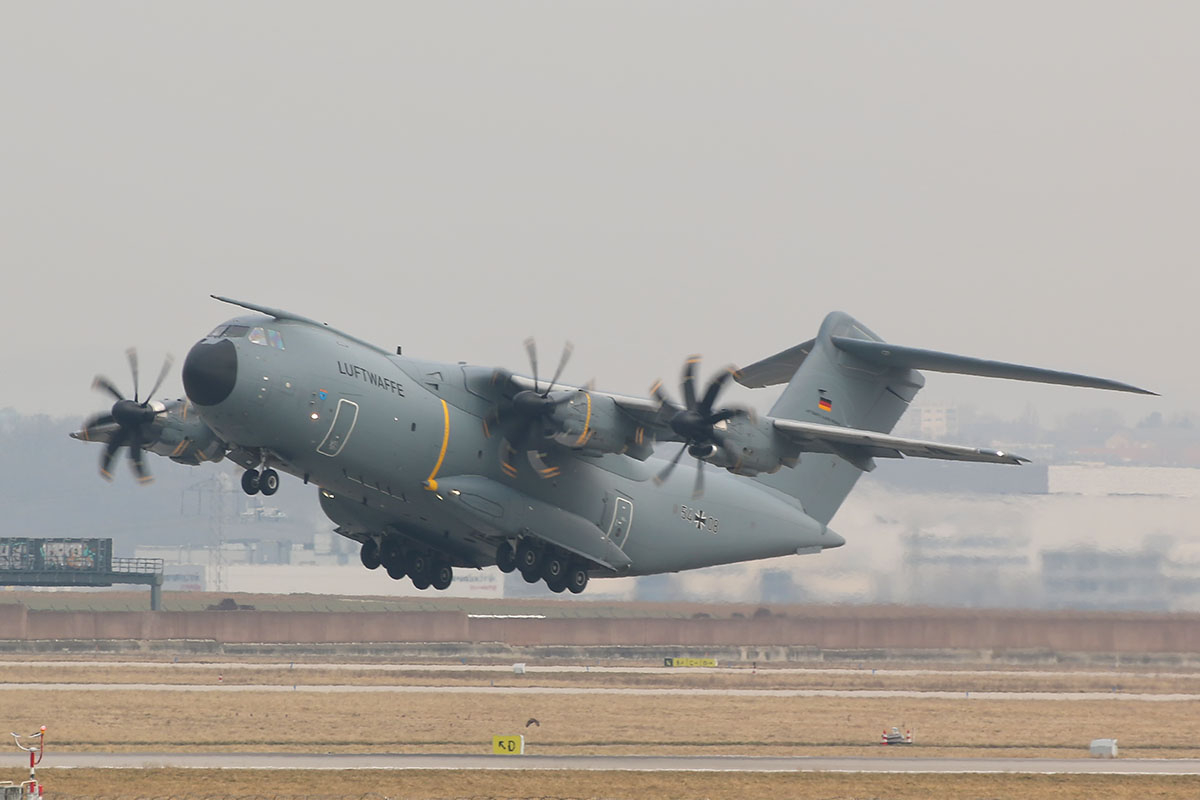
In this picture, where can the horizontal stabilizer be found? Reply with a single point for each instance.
(889, 355)
(776, 369)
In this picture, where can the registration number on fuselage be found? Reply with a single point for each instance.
(697, 517)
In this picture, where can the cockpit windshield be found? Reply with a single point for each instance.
(229, 331)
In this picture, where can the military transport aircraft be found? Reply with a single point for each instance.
(432, 466)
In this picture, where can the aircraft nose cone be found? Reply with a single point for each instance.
(210, 372)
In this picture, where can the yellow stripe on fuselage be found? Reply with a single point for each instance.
(431, 482)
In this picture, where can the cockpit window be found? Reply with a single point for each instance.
(265, 337)
(230, 331)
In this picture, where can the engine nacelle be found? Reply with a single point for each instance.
(180, 435)
(750, 447)
(594, 423)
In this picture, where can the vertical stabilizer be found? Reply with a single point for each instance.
(833, 387)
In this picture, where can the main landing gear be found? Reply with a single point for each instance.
(266, 481)
(537, 562)
(423, 569)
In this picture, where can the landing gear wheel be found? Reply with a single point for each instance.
(393, 558)
(577, 579)
(531, 576)
(250, 481)
(418, 569)
(369, 555)
(506, 558)
(529, 558)
(557, 585)
(442, 576)
(554, 569)
(268, 482)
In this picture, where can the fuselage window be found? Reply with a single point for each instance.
(258, 336)
(275, 339)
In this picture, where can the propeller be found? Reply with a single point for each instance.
(130, 416)
(530, 407)
(695, 422)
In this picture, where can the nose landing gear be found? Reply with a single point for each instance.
(266, 482)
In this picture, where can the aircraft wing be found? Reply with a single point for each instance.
(645, 410)
(859, 446)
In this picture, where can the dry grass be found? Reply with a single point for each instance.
(580, 723)
(437, 784)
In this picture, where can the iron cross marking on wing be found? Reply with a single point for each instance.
(701, 520)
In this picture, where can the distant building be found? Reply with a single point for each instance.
(1088, 578)
(937, 422)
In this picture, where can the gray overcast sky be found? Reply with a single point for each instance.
(1013, 180)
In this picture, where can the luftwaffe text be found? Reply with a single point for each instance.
(355, 371)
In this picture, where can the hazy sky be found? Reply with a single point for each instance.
(1013, 180)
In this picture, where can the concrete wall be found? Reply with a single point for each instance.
(829, 629)
(249, 626)
(14, 621)
(1152, 633)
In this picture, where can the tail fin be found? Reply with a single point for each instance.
(850, 377)
(830, 386)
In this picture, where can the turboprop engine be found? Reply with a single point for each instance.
(747, 446)
(596, 424)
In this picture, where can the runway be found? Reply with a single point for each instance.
(321, 688)
(874, 764)
(570, 669)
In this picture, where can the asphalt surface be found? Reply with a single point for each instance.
(320, 688)
(879, 764)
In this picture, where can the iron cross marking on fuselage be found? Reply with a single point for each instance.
(702, 521)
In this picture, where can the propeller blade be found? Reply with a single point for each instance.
(103, 383)
(139, 465)
(506, 465)
(656, 391)
(131, 354)
(167, 362)
(689, 381)
(714, 389)
(661, 477)
(568, 348)
(698, 488)
(110, 451)
(94, 422)
(531, 349)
